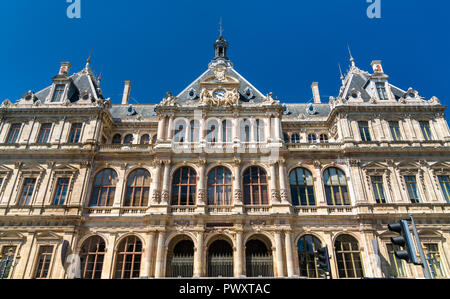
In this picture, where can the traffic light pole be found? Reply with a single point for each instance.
(423, 258)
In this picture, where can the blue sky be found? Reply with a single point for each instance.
(279, 46)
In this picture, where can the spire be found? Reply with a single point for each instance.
(352, 60)
(221, 45)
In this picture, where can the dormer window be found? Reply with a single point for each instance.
(381, 89)
(58, 94)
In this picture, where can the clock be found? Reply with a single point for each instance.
(219, 94)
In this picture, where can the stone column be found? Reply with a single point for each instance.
(268, 127)
(159, 267)
(289, 254)
(201, 186)
(252, 130)
(170, 128)
(166, 183)
(284, 190)
(198, 256)
(147, 271)
(108, 261)
(239, 258)
(236, 129)
(237, 191)
(161, 128)
(277, 128)
(156, 195)
(121, 182)
(319, 184)
(279, 254)
(275, 194)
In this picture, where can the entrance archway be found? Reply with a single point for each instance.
(180, 259)
(220, 259)
(259, 259)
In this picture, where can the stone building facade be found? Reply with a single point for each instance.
(221, 180)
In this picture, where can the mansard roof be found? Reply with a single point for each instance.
(82, 86)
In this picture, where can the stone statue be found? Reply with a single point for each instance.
(169, 100)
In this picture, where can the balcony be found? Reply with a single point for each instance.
(117, 148)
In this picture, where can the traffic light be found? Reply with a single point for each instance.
(405, 241)
(323, 260)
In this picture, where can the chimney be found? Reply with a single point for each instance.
(64, 69)
(377, 67)
(316, 94)
(126, 93)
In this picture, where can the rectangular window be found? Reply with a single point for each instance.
(43, 262)
(7, 261)
(397, 265)
(395, 130)
(426, 131)
(444, 180)
(13, 133)
(381, 89)
(59, 91)
(75, 133)
(364, 131)
(27, 191)
(378, 189)
(44, 133)
(432, 252)
(411, 186)
(62, 188)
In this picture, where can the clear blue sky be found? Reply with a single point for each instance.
(279, 46)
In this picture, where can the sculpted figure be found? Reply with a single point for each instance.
(169, 100)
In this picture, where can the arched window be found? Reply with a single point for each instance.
(227, 131)
(104, 189)
(128, 260)
(213, 132)
(312, 138)
(145, 139)
(259, 260)
(348, 257)
(220, 259)
(295, 138)
(194, 131)
(323, 138)
(117, 139)
(245, 130)
(92, 255)
(260, 130)
(138, 189)
(220, 187)
(154, 139)
(128, 139)
(184, 187)
(255, 186)
(302, 187)
(286, 138)
(180, 132)
(336, 187)
(180, 259)
(307, 248)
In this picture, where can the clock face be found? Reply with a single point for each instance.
(219, 94)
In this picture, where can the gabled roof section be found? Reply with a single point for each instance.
(248, 93)
(82, 87)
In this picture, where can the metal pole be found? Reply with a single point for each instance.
(422, 254)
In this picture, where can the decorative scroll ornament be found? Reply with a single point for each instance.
(169, 100)
(270, 100)
(228, 98)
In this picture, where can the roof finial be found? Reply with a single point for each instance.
(221, 27)
(340, 71)
(88, 61)
(351, 56)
